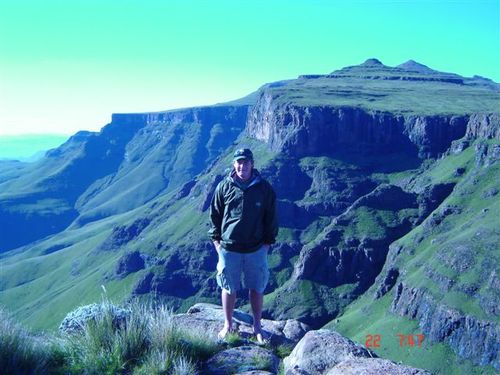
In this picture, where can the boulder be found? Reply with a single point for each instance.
(76, 320)
(243, 359)
(329, 353)
(209, 318)
(320, 351)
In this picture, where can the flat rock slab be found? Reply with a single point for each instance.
(373, 366)
(209, 318)
(243, 359)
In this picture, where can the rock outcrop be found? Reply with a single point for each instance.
(76, 320)
(314, 352)
(470, 337)
(185, 271)
(327, 352)
(321, 350)
(129, 263)
(209, 318)
(123, 234)
(483, 126)
(320, 130)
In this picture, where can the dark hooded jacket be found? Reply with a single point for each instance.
(243, 216)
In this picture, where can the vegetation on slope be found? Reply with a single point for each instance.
(452, 257)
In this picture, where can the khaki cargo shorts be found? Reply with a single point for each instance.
(253, 267)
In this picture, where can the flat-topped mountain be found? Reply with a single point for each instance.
(381, 174)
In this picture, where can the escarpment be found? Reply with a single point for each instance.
(321, 130)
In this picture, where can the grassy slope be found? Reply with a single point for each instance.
(476, 227)
(40, 289)
(367, 317)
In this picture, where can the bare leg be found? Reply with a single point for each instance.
(228, 302)
(256, 301)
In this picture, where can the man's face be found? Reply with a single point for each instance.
(243, 168)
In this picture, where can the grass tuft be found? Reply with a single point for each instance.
(147, 342)
(23, 353)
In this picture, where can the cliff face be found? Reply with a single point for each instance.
(320, 130)
(339, 265)
(171, 149)
(472, 338)
(350, 252)
(484, 126)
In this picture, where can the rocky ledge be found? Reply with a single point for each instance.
(209, 318)
(314, 352)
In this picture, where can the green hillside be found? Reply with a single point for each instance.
(452, 256)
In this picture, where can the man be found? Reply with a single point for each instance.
(243, 227)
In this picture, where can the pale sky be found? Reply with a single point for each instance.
(67, 65)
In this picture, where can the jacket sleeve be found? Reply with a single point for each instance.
(216, 214)
(270, 218)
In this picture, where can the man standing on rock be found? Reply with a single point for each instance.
(243, 227)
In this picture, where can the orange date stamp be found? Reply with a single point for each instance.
(411, 340)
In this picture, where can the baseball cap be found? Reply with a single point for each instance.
(242, 153)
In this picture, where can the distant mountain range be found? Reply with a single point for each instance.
(387, 181)
(28, 147)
